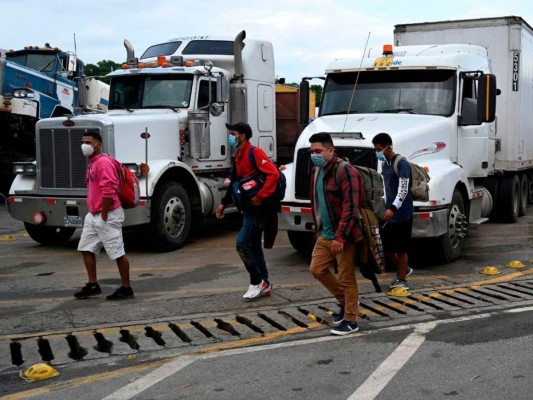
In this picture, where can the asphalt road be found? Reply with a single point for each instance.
(193, 299)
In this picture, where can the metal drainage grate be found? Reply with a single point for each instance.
(100, 343)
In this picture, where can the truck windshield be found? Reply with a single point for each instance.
(38, 62)
(150, 91)
(428, 92)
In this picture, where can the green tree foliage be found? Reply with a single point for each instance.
(101, 69)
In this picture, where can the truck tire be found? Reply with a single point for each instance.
(530, 188)
(49, 235)
(449, 245)
(509, 198)
(524, 194)
(302, 242)
(171, 218)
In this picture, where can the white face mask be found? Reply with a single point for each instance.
(87, 149)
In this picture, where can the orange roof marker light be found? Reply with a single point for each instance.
(387, 49)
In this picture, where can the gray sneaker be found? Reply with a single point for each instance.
(399, 283)
(409, 272)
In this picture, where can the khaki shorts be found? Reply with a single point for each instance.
(97, 234)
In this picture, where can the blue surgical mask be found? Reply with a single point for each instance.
(380, 156)
(319, 160)
(232, 141)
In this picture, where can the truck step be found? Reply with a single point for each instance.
(477, 222)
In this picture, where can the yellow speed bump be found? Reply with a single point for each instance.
(515, 264)
(398, 292)
(6, 238)
(490, 270)
(38, 372)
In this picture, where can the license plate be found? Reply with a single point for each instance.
(73, 221)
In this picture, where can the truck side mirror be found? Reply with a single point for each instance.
(486, 100)
(216, 107)
(222, 89)
(71, 63)
(304, 102)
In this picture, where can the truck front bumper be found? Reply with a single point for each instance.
(61, 212)
(426, 224)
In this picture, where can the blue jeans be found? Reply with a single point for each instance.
(249, 245)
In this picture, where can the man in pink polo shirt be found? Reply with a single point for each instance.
(103, 223)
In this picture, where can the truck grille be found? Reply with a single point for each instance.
(363, 156)
(61, 162)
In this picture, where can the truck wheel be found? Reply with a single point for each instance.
(302, 242)
(524, 194)
(171, 218)
(530, 189)
(451, 243)
(509, 198)
(49, 235)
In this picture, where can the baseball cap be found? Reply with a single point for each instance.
(241, 127)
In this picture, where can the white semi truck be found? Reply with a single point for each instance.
(435, 93)
(166, 121)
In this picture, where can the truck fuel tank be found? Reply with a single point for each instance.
(199, 140)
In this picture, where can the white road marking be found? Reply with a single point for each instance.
(410, 344)
(140, 385)
(380, 378)
(517, 310)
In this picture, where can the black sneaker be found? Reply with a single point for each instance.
(337, 320)
(345, 328)
(122, 293)
(90, 289)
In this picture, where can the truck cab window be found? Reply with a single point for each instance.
(469, 102)
(203, 93)
(418, 92)
(160, 91)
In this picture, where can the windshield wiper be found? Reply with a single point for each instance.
(173, 108)
(397, 110)
(117, 107)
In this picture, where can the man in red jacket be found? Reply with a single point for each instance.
(249, 238)
(102, 226)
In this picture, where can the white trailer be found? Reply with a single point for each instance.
(509, 43)
(435, 93)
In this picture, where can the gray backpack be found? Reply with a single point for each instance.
(373, 187)
(419, 180)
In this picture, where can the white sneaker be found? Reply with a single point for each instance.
(253, 292)
(266, 289)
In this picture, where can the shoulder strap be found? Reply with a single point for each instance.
(251, 156)
(397, 161)
(342, 164)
